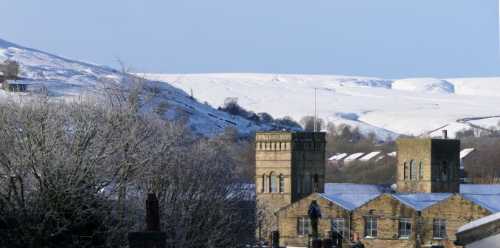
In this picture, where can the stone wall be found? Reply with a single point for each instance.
(288, 219)
(457, 212)
(388, 211)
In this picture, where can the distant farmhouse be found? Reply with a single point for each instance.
(424, 208)
(9, 77)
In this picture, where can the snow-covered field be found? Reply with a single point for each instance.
(418, 106)
(387, 107)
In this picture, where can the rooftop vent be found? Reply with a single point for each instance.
(445, 134)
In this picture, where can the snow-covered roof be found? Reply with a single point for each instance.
(479, 222)
(489, 202)
(466, 152)
(370, 156)
(353, 156)
(338, 156)
(480, 189)
(350, 201)
(420, 201)
(350, 195)
(353, 188)
(392, 154)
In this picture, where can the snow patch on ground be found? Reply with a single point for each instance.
(424, 85)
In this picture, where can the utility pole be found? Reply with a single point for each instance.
(315, 110)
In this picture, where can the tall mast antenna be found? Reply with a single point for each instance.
(315, 110)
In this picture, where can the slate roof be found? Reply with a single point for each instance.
(421, 201)
(480, 189)
(350, 201)
(354, 188)
(490, 202)
(351, 196)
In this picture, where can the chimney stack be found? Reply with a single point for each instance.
(445, 134)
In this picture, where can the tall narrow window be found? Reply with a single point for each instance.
(421, 170)
(315, 183)
(273, 187)
(263, 183)
(303, 226)
(282, 184)
(338, 225)
(413, 170)
(444, 171)
(406, 171)
(404, 228)
(371, 226)
(439, 228)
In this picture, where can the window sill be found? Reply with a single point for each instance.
(370, 237)
(404, 238)
(434, 238)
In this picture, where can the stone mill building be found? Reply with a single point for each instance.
(424, 208)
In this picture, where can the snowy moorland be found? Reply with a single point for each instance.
(418, 106)
(68, 79)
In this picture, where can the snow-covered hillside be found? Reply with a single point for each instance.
(65, 78)
(418, 106)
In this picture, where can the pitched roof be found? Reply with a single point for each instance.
(350, 201)
(479, 222)
(420, 201)
(353, 156)
(370, 156)
(392, 154)
(353, 188)
(480, 189)
(338, 156)
(466, 152)
(489, 202)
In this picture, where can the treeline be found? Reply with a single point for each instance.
(76, 175)
(483, 165)
(232, 107)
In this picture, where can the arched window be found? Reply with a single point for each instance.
(282, 183)
(413, 170)
(263, 183)
(421, 170)
(315, 183)
(444, 171)
(273, 187)
(406, 173)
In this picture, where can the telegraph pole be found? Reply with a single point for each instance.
(315, 110)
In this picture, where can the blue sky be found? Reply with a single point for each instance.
(385, 38)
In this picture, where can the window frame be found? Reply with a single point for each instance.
(404, 228)
(413, 171)
(273, 183)
(303, 226)
(281, 183)
(334, 224)
(371, 227)
(439, 229)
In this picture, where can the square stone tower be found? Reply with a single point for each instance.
(289, 166)
(428, 165)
